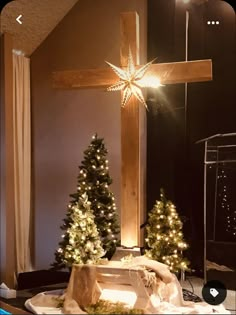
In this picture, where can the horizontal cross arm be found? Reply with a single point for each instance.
(169, 73)
(84, 79)
(181, 72)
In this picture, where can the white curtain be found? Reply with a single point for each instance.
(22, 161)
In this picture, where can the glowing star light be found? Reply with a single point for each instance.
(130, 80)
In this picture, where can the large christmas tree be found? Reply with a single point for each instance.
(81, 241)
(164, 236)
(94, 180)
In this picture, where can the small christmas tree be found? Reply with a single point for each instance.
(81, 242)
(164, 235)
(94, 179)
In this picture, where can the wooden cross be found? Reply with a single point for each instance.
(133, 120)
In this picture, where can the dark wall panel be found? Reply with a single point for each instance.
(175, 162)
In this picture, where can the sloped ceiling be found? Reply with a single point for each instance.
(39, 18)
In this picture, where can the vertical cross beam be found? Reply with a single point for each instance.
(133, 144)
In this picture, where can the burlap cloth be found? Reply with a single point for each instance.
(82, 290)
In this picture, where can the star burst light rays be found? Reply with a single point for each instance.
(131, 80)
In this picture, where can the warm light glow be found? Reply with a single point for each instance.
(128, 242)
(129, 80)
(150, 81)
(126, 297)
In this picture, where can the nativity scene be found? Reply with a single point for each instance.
(101, 209)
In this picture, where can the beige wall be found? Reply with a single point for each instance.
(64, 121)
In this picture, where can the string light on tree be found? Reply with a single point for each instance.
(160, 241)
(81, 242)
(96, 184)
